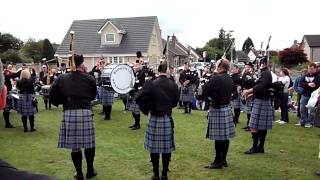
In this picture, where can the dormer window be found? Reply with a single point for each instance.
(110, 38)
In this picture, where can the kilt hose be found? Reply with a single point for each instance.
(186, 94)
(159, 136)
(132, 105)
(106, 96)
(220, 124)
(25, 106)
(262, 114)
(236, 103)
(77, 129)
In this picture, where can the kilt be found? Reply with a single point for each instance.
(9, 102)
(220, 124)
(186, 94)
(159, 136)
(262, 115)
(77, 129)
(248, 106)
(236, 103)
(133, 106)
(25, 107)
(106, 96)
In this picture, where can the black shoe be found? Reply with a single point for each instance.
(107, 118)
(164, 177)
(224, 163)
(260, 150)
(33, 129)
(252, 150)
(318, 173)
(155, 178)
(247, 129)
(90, 175)
(132, 126)
(25, 130)
(78, 177)
(9, 126)
(214, 166)
(136, 127)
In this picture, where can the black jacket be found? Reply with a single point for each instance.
(219, 89)
(260, 90)
(307, 90)
(236, 82)
(158, 96)
(192, 76)
(74, 90)
(25, 86)
(7, 81)
(248, 80)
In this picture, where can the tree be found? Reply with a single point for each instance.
(11, 56)
(247, 45)
(8, 41)
(292, 56)
(47, 50)
(33, 50)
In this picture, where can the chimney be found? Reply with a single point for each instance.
(174, 41)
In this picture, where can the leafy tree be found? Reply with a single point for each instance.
(11, 56)
(47, 50)
(8, 41)
(33, 50)
(292, 56)
(247, 45)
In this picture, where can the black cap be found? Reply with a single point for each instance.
(249, 64)
(264, 60)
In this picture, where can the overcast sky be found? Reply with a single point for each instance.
(194, 22)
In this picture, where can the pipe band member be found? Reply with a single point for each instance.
(156, 99)
(8, 77)
(248, 81)
(262, 114)
(75, 91)
(187, 79)
(220, 119)
(140, 75)
(26, 102)
(236, 101)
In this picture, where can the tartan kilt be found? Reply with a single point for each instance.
(159, 136)
(132, 105)
(77, 129)
(248, 106)
(9, 102)
(25, 107)
(220, 124)
(262, 115)
(106, 96)
(236, 103)
(186, 94)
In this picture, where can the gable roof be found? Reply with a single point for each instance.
(88, 41)
(179, 50)
(313, 40)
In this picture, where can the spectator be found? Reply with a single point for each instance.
(309, 83)
(285, 79)
(299, 90)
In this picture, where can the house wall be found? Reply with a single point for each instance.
(110, 29)
(154, 53)
(315, 54)
(306, 49)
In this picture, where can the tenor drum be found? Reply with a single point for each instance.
(45, 89)
(119, 77)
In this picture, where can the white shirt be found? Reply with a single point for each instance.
(285, 80)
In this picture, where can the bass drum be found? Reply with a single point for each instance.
(119, 77)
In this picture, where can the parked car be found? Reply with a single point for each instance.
(195, 66)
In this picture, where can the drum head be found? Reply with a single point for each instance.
(122, 78)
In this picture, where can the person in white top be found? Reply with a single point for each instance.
(285, 79)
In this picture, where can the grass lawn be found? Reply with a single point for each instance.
(291, 152)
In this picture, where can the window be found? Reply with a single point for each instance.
(110, 37)
(115, 60)
(120, 60)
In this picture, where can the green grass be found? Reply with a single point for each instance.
(291, 152)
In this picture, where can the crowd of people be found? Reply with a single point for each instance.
(255, 90)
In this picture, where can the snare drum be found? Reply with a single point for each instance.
(119, 77)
